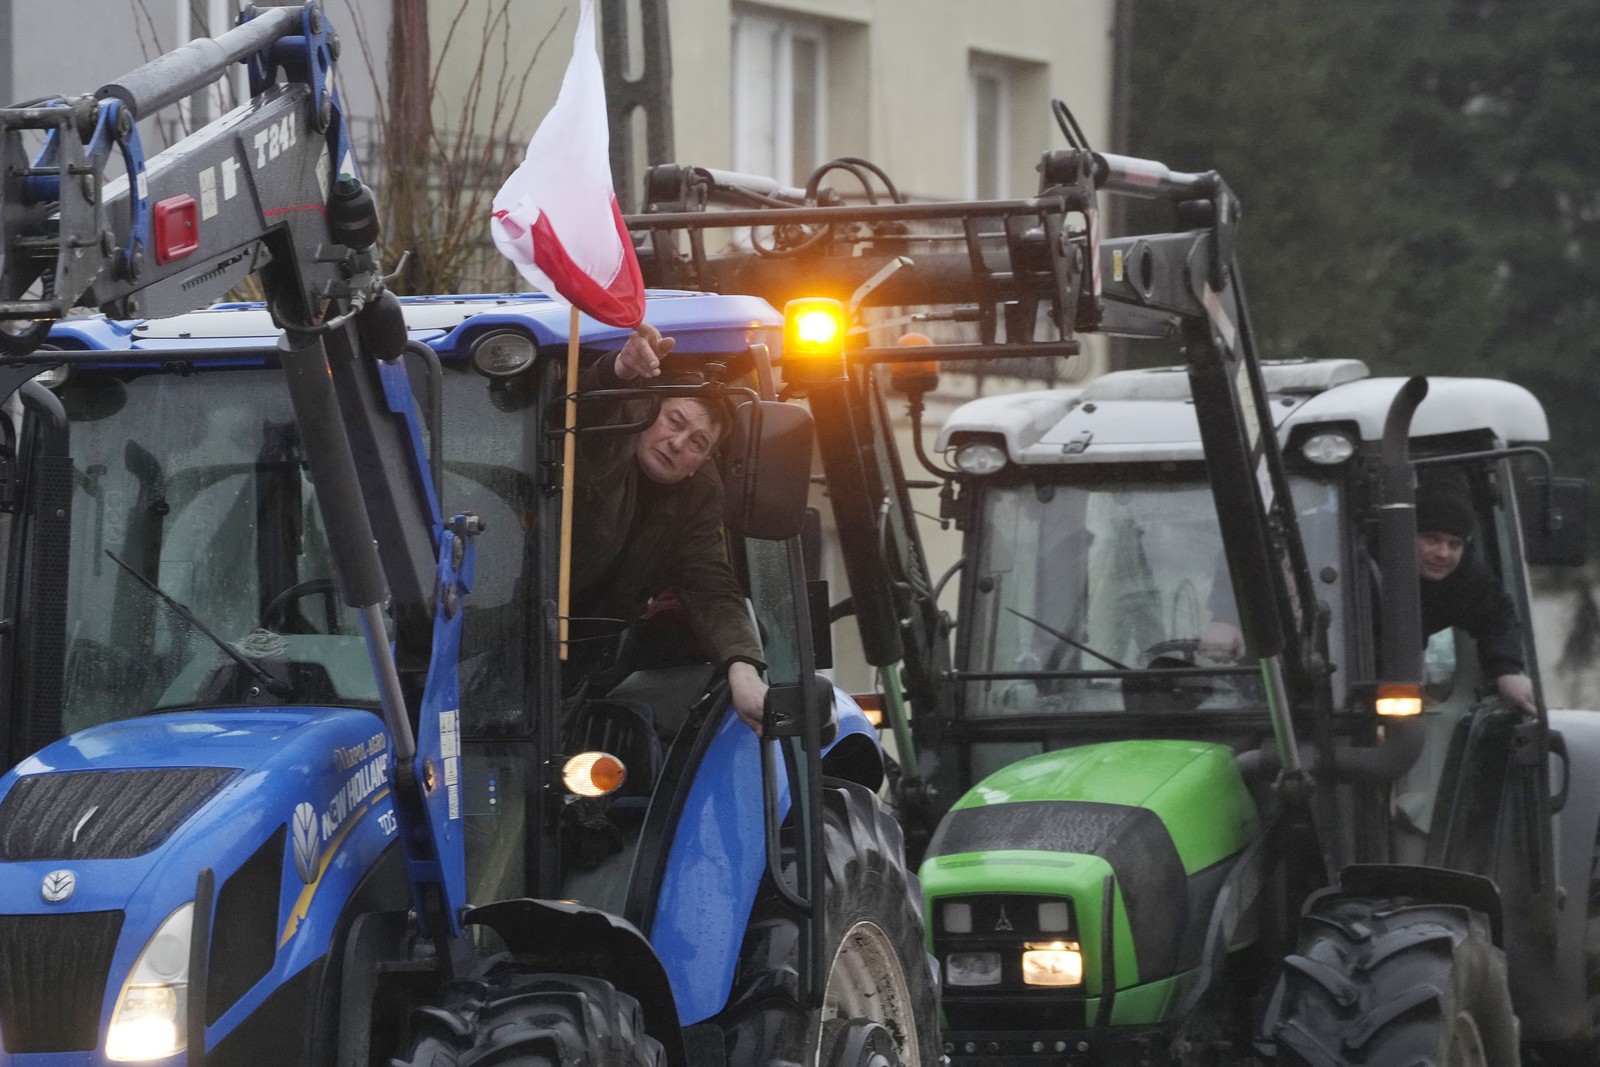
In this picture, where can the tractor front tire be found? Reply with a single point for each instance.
(511, 1017)
(1387, 982)
(879, 1002)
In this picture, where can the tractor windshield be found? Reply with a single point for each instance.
(194, 527)
(1082, 584)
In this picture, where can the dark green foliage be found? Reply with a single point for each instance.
(1420, 178)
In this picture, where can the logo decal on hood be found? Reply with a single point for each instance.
(307, 842)
(58, 886)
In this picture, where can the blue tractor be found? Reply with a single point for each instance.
(293, 777)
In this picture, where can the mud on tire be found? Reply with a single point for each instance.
(880, 972)
(1388, 982)
(509, 1017)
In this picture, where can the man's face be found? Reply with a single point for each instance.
(678, 442)
(1438, 554)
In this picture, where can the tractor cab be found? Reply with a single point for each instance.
(1094, 553)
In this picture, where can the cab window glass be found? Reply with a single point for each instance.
(489, 457)
(777, 616)
(197, 485)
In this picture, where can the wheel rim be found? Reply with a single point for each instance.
(866, 981)
(1466, 1044)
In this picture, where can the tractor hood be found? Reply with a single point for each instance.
(1157, 823)
(1038, 803)
(288, 808)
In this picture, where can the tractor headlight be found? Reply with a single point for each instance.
(1052, 963)
(972, 968)
(957, 917)
(981, 457)
(1328, 449)
(503, 353)
(149, 1020)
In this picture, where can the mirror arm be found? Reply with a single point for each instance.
(1551, 520)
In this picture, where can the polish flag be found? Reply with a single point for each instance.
(556, 217)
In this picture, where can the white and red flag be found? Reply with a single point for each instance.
(556, 217)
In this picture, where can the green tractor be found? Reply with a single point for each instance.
(1135, 868)
(1324, 840)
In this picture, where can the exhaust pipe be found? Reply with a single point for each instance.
(1377, 765)
(1400, 654)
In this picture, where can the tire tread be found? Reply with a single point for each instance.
(864, 854)
(1378, 982)
(511, 1017)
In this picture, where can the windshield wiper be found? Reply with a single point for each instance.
(260, 673)
(1079, 645)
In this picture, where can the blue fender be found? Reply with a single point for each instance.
(717, 860)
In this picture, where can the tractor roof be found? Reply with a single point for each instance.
(702, 322)
(1147, 415)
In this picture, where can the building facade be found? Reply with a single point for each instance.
(950, 97)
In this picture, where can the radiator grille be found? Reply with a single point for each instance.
(101, 815)
(53, 971)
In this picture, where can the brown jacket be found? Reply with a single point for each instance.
(621, 558)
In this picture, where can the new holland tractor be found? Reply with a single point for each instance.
(1321, 840)
(293, 776)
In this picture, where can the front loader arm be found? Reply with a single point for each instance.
(1187, 284)
(177, 230)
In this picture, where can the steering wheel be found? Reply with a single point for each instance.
(1188, 647)
(276, 616)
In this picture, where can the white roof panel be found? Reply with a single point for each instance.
(1172, 383)
(1453, 405)
(1110, 431)
(1021, 418)
(1146, 415)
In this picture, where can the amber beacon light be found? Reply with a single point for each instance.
(813, 340)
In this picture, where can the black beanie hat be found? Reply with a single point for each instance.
(1441, 510)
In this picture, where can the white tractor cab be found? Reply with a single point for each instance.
(1092, 535)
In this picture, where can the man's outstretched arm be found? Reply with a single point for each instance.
(641, 356)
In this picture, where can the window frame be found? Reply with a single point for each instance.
(765, 143)
(980, 69)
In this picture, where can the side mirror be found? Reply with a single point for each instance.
(1555, 522)
(769, 470)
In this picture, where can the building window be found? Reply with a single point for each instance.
(989, 103)
(779, 95)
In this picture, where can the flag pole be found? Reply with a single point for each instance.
(568, 462)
